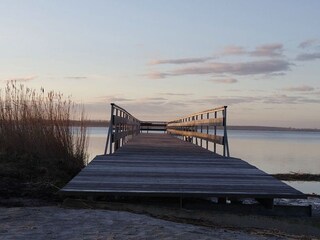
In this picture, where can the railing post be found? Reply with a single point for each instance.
(116, 146)
(215, 133)
(201, 130)
(207, 142)
(109, 137)
(225, 136)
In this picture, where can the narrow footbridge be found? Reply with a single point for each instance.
(174, 159)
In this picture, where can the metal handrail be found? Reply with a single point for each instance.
(122, 125)
(188, 127)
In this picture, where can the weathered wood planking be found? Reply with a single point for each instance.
(161, 165)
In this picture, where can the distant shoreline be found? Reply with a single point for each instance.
(265, 128)
(98, 123)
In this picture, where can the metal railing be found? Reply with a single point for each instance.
(122, 127)
(151, 126)
(197, 128)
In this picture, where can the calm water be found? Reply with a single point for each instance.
(271, 151)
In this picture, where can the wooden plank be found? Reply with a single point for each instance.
(161, 165)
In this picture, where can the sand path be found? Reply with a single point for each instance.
(58, 223)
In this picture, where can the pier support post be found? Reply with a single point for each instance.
(222, 200)
(266, 202)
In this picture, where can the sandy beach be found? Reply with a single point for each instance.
(52, 222)
(22, 218)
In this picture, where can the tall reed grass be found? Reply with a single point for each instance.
(37, 140)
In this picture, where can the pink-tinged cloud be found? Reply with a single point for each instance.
(180, 61)
(268, 50)
(156, 75)
(224, 80)
(233, 50)
(242, 68)
(309, 43)
(303, 88)
(308, 56)
(21, 79)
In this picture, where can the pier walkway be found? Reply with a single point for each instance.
(161, 164)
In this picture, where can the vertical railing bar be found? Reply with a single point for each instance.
(207, 142)
(109, 137)
(215, 134)
(201, 128)
(121, 129)
(112, 129)
(225, 137)
(224, 146)
(116, 131)
(196, 128)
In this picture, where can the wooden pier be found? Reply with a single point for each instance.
(163, 165)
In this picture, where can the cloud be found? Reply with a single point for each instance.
(225, 101)
(242, 68)
(266, 99)
(180, 61)
(204, 65)
(268, 50)
(155, 99)
(308, 56)
(154, 108)
(233, 50)
(114, 99)
(176, 94)
(303, 88)
(285, 99)
(156, 75)
(150, 108)
(76, 77)
(21, 79)
(225, 80)
(277, 74)
(308, 43)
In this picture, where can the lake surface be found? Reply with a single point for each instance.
(271, 151)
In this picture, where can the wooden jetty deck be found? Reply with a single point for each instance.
(162, 165)
(159, 164)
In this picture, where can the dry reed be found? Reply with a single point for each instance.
(37, 140)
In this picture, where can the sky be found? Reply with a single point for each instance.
(166, 59)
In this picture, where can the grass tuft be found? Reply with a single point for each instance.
(38, 144)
